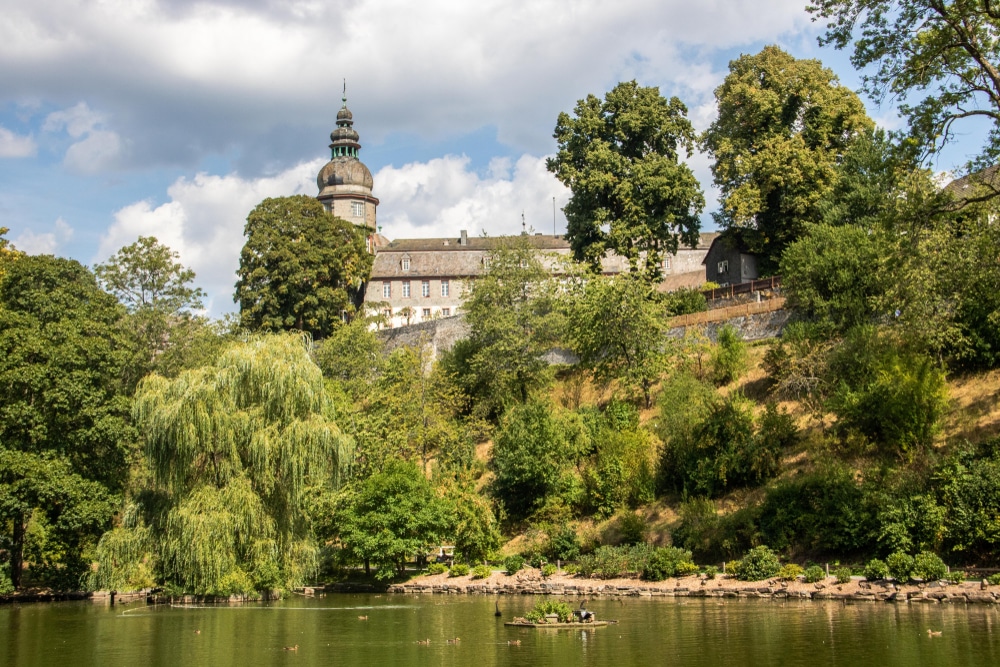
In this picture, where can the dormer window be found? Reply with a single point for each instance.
(405, 264)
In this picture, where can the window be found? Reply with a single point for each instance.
(358, 209)
(444, 288)
(386, 289)
(405, 263)
(446, 312)
(426, 313)
(425, 288)
(665, 264)
(406, 289)
(723, 266)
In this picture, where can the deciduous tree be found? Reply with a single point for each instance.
(300, 267)
(621, 158)
(783, 124)
(939, 58)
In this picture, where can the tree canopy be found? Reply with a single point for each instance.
(945, 53)
(145, 274)
(300, 267)
(64, 366)
(620, 157)
(783, 124)
(232, 449)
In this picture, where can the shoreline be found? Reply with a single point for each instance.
(858, 590)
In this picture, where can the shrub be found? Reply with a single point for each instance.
(686, 568)
(843, 575)
(458, 570)
(928, 566)
(814, 573)
(633, 528)
(545, 607)
(563, 543)
(571, 568)
(663, 563)
(481, 572)
(759, 563)
(900, 566)
(6, 587)
(437, 568)
(513, 564)
(790, 572)
(876, 570)
(955, 576)
(548, 570)
(711, 571)
(994, 579)
(729, 358)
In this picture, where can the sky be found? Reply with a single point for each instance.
(174, 118)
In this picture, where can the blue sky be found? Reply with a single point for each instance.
(173, 118)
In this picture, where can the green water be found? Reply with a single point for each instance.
(650, 632)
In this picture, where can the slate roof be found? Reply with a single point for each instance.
(977, 184)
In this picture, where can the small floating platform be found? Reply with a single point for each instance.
(557, 625)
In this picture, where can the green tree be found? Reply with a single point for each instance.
(64, 427)
(146, 274)
(783, 124)
(514, 318)
(155, 288)
(300, 267)
(530, 450)
(631, 193)
(390, 517)
(617, 326)
(943, 52)
(232, 449)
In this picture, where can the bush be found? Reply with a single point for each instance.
(513, 564)
(437, 568)
(686, 568)
(993, 579)
(790, 572)
(814, 573)
(843, 575)
(458, 570)
(759, 563)
(482, 572)
(729, 358)
(900, 566)
(955, 577)
(928, 566)
(6, 587)
(632, 527)
(876, 570)
(563, 543)
(571, 568)
(684, 301)
(548, 570)
(545, 607)
(892, 396)
(663, 563)
(711, 571)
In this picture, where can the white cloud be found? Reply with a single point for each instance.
(15, 145)
(204, 217)
(46, 243)
(203, 222)
(96, 149)
(443, 196)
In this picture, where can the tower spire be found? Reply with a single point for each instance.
(344, 98)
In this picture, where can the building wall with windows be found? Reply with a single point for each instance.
(416, 280)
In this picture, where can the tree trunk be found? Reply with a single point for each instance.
(368, 568)
(17, 550)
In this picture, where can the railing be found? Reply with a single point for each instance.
(731, 291)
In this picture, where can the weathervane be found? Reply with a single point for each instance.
(344, 98)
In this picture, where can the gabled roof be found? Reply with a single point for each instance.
(731, 239)
(975, 185)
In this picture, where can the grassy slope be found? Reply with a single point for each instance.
(973, 415)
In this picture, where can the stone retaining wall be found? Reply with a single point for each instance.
(973, 593)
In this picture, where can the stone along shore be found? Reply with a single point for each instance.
(858, 590)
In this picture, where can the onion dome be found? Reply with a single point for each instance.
(344, 173)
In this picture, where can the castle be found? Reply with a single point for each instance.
(415, 280)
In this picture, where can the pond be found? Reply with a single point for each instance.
(328, 630)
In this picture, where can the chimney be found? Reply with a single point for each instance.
(465, 238)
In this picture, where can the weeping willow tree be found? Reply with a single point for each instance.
(232, 450)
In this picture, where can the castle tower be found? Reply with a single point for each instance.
(345, 184)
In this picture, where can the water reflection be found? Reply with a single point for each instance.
(650, 632)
